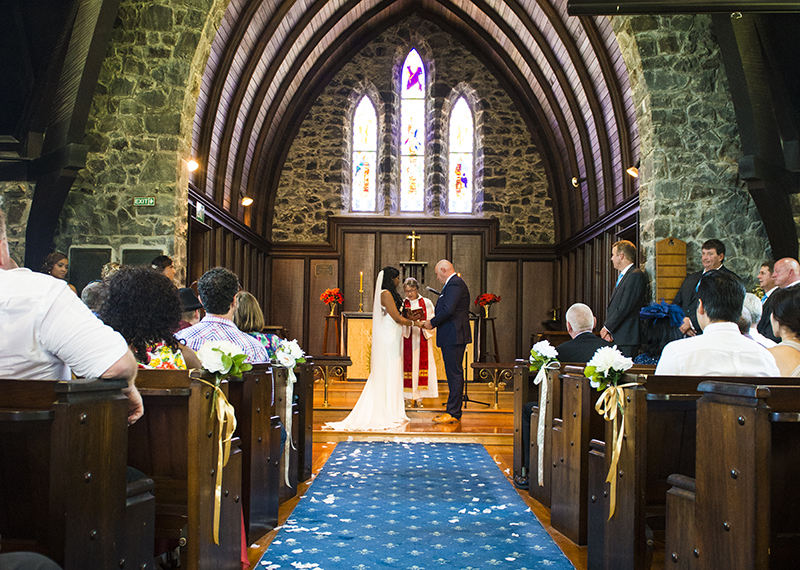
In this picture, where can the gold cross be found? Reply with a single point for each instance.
(413, 237)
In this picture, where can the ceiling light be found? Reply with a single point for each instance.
(634, 170)
(246, 200)
(192, 165)
(577, 181)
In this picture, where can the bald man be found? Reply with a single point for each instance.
(786, 273)
(452, 335)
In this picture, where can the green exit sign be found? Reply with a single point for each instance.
(144, 201)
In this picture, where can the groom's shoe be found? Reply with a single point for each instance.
(444, 419)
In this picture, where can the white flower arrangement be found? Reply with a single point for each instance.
(288, 353)
(223, 359)
(542, 354)
(606, 367)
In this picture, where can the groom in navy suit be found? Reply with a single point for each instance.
(622, 316)
(452, 335)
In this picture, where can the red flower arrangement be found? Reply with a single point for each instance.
(487, 299)
(331, 296)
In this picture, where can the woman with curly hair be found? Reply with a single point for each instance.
(144, 307)
(249, 317)
(57, 265)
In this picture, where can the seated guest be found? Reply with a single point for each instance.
(751, 314)
(580, 323)
(143, 306)
(109, 269)
(786, 325)
(721, 350)
(661, 324)
(26, 561)
(218, 288)
(48, 333)
(190, 307)
(163, 264)
(92, 296)
(250, 319)
(57, 265)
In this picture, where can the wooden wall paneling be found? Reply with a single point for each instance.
(324, 275)
(358, 255)
(467, 259)
(238, 259)
(580, 275)
(573, 282)
(247, 267)
(588, 272)
(219, 247)
(394, 248)
(564, 285)
(537, 301)
(263, 289)
(227, 259)
(501, 279)
(431, 248)
(599, 261)
(288, 296)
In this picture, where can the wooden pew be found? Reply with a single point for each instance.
(524, 391)
(574, 425)
(660, 437)
(176, 444)
(258, 428)
(62, 475)
(746, 509)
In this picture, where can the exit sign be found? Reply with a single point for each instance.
(144, 201)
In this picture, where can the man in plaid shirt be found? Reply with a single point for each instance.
(218, 288)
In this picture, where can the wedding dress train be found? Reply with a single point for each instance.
(381, 405)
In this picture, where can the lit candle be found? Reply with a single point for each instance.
(361, 282)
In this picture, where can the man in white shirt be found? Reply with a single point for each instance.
(721, 350)
(46, 332)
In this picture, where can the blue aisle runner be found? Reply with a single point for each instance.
(413, 506)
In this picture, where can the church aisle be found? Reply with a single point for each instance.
(502, 456)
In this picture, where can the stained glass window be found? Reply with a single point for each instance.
(459, 184)
(412, 134)
(365, 156)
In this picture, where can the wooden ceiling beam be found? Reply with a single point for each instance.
(632, 7)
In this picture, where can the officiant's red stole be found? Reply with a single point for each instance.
(408, 351)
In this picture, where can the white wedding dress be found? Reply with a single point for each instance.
(380, 406)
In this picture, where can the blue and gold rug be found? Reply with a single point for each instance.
(412, 506)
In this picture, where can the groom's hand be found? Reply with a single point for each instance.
(427, 325)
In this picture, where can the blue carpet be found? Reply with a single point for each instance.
(413, 506)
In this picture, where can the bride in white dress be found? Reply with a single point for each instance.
(380, 406)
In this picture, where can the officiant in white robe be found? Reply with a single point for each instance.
(419, 366)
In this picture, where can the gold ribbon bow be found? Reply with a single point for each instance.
(611, 401)
(227, 425)
(291, 380)
(541, 378)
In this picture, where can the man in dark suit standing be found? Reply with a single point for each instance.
(769, 286)
(452, 335)
(712, 258)
(622, 316)
(584, 343)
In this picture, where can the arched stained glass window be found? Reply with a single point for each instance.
(460, 159)
(412, 134)
(365, 156)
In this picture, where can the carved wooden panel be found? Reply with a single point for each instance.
(324, 275)
(359, 255)
(537, 300)
(288, 295)
(501, 279)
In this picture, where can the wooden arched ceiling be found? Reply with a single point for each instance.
(270, 60)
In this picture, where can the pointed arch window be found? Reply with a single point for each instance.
(412, 134)
(365, 156)
(460, 159)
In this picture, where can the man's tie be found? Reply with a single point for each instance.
(618, 280)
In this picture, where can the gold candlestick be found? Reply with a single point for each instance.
(360, 291)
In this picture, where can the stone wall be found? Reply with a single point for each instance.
(315, 177)
(15, 201)
(689, 186)
(139, 129)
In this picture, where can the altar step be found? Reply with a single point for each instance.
(344, 395)
(479, 424)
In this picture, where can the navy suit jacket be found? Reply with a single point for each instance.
(452, 314)
(622, 316)
(687, 298)
(581, 348)
(764, 325)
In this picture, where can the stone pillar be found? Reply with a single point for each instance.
(688, 185)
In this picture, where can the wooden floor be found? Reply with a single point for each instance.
(479, 424)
